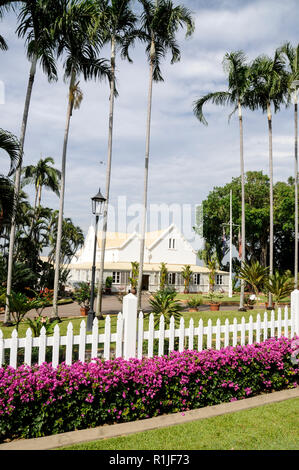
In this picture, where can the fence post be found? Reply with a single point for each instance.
(130, 325)
(295, 310)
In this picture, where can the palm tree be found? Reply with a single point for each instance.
(292, 56)
(160, 21)
(42, 175)
(116, 23)
(76, 42)
(10, 144)
(254, 274)
(269, 87)
(237, 96)
(35, 19)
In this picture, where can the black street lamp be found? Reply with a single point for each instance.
(97, 209)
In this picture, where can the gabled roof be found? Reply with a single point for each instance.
(119, 239)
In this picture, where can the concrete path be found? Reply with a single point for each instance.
(111, 306)
(114, 430)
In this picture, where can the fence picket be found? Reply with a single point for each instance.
(258, 328)
(235, 332)
(69, 344)
(95, 338)
(82, 341)
(218, 333)
(200, 335)
(140, 336)
(161, 335)
(226, 333)
(209, 334)
(171, 333)
(272, 324)
(250, 330)
(28, 347)
(243, 329)
(14, 349)
(1, 348)
(55, 347)
(151, 336)
(286, 323)
(265, 326)
(279, 323)
(181, 334)
(107, 338)
(191, 334)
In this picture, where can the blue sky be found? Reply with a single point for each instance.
(187, 159)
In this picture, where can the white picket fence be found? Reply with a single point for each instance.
(129, 339)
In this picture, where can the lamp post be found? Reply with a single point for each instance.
(97, 209)
(295, 85)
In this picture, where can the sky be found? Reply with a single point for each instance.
(187, 159)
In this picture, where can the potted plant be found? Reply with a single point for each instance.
(214, 304)
(193, 303)
(108, 284)
(134, 278)
(81, 295)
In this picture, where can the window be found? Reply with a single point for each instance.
(196, 279)
(116, 277)
(219, 279)
(171, 278)
(171, 243)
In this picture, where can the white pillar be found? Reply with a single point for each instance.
(130, 325)
(295, 310)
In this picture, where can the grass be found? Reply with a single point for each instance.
(268, 427)
(205, 315)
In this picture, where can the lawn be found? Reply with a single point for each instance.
(269, 427)
(205, 315)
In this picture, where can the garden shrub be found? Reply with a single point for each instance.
(40, 400)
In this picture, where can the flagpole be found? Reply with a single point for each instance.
(230, 282)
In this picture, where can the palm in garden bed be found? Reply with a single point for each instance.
(164, 303)
(269, 81)
(79, 46)
(238, 96)
(116, 22)
(34, 23)
(160, 21)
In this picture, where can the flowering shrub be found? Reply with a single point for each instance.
(40, 400)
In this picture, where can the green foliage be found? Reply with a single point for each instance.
(164, 303)
(280, 285)
(82, 293)
(194, 301)
(255, 275)
(163, 276)
(186, 274)
(135, 271)
(108, 282)
(37, 323)
(19, 304)
(216, 213)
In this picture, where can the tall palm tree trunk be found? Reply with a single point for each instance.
(7, 317)
(271, 197)
(242, 201)
(61, 199)
(147, 149)
(296, 193)
(108, 178)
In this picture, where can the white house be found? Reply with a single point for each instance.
(168, 246)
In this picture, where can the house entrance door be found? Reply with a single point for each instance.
(145, 282)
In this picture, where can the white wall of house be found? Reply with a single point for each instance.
(173, 249)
